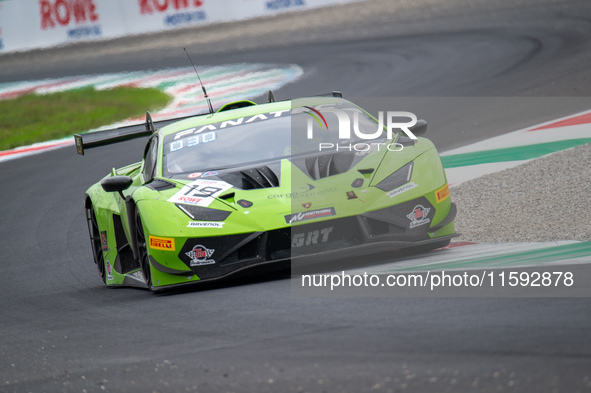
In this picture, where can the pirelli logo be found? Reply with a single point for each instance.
(162, 243)
(442, 194)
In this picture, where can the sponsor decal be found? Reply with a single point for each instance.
(200, 192)
(55, 13)
(401, 189)
(310, 215)
(162, 243)
(64, 12)
(200, 255)
(283, 4)
(277, 196)
(310, 194)
(357, 183)
(85, 31)
(418, 216)
(150, 6)
(205, 224)
(304, 193)
(109, 271)
(442, 194)
(104, 244)
(196, 140)
(195, 175)
(244, 203)
(351, 195)
(210, 173)
(184, 18)
(137, 275)
(310, 238)
(307, 205)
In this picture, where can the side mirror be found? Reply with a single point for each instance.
(420, 128)
(116, 184)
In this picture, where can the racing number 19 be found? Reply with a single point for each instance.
(202, 192)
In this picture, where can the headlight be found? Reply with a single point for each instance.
(201, 213)
(397, 179)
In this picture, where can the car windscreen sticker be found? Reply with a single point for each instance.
(195, 175)
(230, 123)
(200, 192)
(192, 141)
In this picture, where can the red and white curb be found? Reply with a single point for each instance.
(223, 83)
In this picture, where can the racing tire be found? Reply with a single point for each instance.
(143, 251)
(95, 240)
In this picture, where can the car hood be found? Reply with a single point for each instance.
(273, 194)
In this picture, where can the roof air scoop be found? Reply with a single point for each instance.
(236, 105)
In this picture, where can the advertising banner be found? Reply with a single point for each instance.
(142, 16)
(28, 24)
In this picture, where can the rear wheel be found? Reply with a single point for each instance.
(95, 240)
(143, 251)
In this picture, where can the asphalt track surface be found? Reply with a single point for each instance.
(63, 330)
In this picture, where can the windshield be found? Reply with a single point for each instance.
(245, 141)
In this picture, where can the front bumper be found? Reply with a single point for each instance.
(373, 232)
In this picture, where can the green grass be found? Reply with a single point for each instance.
(36, 118)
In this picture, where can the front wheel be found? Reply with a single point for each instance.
(143, 251)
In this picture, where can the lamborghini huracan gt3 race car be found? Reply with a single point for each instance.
(255, 184)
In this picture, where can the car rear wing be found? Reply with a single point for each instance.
(107, 137)
(121, 134)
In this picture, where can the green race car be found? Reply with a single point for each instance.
(252, 184)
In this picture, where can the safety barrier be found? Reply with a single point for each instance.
(28, 24)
